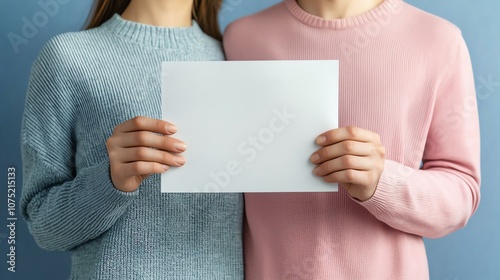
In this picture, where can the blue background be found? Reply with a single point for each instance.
(471, 253)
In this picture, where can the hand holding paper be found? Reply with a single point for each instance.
(352, 156)
(140, 147)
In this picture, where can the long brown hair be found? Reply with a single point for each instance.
(205, 12)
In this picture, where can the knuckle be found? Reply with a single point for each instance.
(138, 121)
(110, 142)
(347, 161)
(352, 131)
(348, 146)
(111, 156)
(141, 153)
(142, 137)
(350, 175)
(137, 167)
(381, 151)
(134, 167)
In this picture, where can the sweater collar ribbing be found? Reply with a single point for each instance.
(388, 6)
(155, 36)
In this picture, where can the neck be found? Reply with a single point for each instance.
(171, 13)
(337, 9)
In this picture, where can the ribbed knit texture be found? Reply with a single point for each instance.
(82, 85)
(406, 75)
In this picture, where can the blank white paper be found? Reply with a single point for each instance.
(250, 126)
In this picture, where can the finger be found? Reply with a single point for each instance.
(143, 168)
(150, 139)
(347, 133)
(343, 163)
(347, 147)
(348, 176)
(147, 124)
(151, 155)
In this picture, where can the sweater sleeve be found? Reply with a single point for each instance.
(441, 196)
(64, 207)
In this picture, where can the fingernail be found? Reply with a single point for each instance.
(316, 171)
(180, 160)
(320, 140)
(171, 129)
(165, 167)
(314, 158)
(180, 146)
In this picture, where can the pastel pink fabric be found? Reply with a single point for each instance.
(406, 75)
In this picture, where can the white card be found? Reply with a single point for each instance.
(249, 126)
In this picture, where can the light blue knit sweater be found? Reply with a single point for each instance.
(82, 85)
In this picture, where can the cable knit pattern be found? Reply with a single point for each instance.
(82, 85)
(406, 75)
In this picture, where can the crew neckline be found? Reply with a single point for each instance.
(388, 6)
(155, 36)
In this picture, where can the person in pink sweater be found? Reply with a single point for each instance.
(406, 153)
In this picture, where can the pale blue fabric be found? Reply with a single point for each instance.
(82, 85)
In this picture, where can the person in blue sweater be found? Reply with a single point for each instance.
(93, 146)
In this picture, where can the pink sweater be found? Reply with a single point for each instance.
(406, 75)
